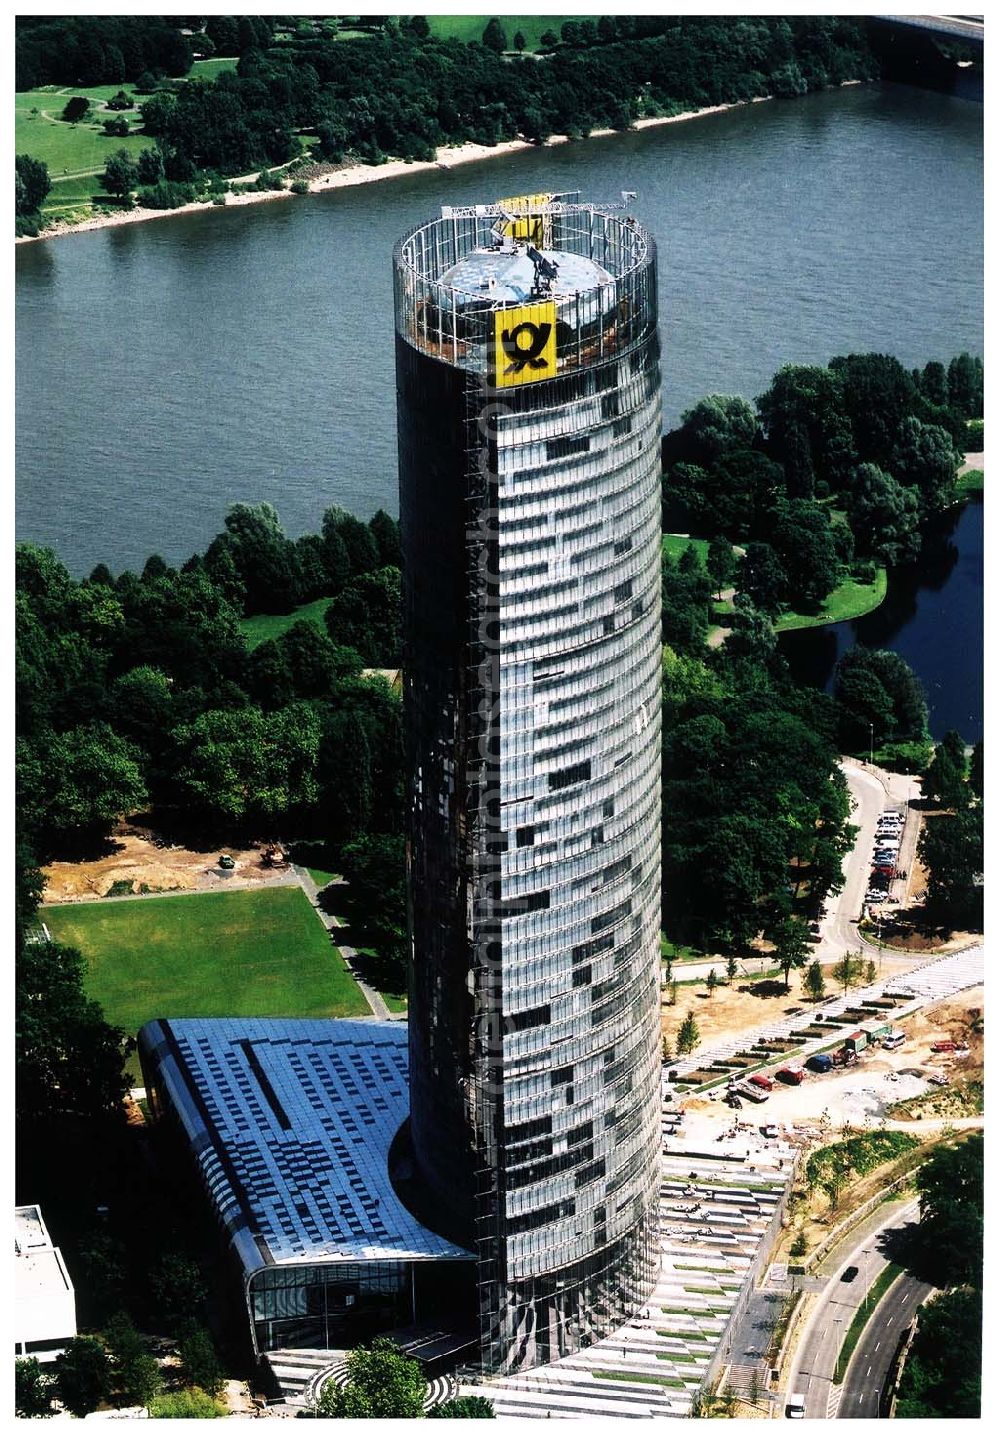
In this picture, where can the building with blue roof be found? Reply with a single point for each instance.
(291, 1123)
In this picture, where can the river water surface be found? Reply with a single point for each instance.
(168, 368)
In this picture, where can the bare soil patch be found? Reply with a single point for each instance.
(140, 864)
(733, 1007)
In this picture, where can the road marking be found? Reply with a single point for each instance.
(876, 1347)
(869, 1373)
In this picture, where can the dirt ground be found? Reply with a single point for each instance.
(733, 1008)
(866, 1092)
(137, 860)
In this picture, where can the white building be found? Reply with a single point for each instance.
(44, 1302)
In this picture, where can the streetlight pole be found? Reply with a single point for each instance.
(871, 743)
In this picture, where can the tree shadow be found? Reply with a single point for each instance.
(764, 989)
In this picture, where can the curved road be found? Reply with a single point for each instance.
(870, 1363)
(816, 1358)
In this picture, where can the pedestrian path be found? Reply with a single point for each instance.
(713, 1216)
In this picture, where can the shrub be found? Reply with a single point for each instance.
(187, 1403)
(117, 126)
(26, 225)
(300, 187)
(75, 109)
(974, 432)
(166, 195)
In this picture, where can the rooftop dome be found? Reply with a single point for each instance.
(513, 274)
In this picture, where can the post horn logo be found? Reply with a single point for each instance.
(525, 344)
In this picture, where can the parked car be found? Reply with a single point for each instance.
(790, 1075)
(762, 1081)
(849, 1274)
(819, 1063)
(938, 1079)
(226, 861)
(769, 1130)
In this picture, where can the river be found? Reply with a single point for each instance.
(167, 369)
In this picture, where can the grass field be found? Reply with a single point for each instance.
(209, 69)
(848, 601)
(258, 627)
(675, 545)
(70, 150)
(471, 27)
(246, 953)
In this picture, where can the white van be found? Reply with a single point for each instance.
(796, 1406)
(893, 1040)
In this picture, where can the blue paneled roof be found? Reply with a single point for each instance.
(291, 1122)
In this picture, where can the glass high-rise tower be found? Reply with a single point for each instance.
(528, 386)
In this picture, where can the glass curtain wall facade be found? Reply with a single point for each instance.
(529, 443)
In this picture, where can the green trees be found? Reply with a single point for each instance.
(120, 175)
(951, 1212)
(942, 1375)
(381, 1383)
(471, 1407)
(32, 1390)
(688, 1036)
(883, 515)
(242, 763)
(135, 1374)
(814, 982)
(83, 1376)
(31, 184)
(200, 1361)
(790, 937)
(848, 970)
(75, 109)
(951, 848)
(495, 37)
(941, 1378)
(68, 1060)
(944, 778)
(178, 1291)
(875, 687)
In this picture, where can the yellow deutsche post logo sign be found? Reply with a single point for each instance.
(524, 344)
(523, 226)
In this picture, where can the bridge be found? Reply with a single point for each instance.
(945, 27)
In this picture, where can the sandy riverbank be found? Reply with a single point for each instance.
(351, 175)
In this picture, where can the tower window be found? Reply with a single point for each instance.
(573, 774)
(526, 836)
(566, 445)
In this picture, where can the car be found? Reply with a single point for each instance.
(769, 1130)
(762, 1081)
(944, 1046)
(790, 1075)
(226, 861)
(849, 1274)
(938, 1079)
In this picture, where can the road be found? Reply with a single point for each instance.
(869, 1367)
(816, 1358)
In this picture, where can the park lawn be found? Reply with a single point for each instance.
(258, 627)
(71, 150)
(211, 69)
(471, 27)
(675, 545)
(248, 953)
(848, 601)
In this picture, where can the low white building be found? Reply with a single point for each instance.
(44, 1301)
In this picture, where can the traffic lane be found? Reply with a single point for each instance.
(869, 1366)
(838, 933)
(820, 1343)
